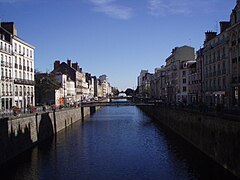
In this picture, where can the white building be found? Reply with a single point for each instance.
(17, 69)
(66, 94)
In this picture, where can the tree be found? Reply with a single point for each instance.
(129, 92)
(45, 86)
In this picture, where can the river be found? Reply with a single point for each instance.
(115, 143)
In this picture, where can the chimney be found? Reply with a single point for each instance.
(56, 64)
(224, 25)
(69, 63)
(209, 35)
(75, 66)
(10, 27)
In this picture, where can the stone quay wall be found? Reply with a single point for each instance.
(18, 134)
(217, 137)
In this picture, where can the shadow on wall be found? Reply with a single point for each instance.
(45, 127)
(15, 142)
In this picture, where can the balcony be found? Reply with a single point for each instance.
(23, 81)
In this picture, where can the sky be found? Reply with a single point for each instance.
(118, 38)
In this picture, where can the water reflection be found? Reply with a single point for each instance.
(115, 143)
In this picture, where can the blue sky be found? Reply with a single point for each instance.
(113, 37)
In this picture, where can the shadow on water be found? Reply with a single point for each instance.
(202, 166)
(45, 127)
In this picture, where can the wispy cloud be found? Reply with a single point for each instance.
(10, 1)
(112, 9)
(166, 7)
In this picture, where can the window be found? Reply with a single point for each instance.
(10, 89)
(24, 90)
(20, 92)
(3, 89)
(184, 73)
(15, 47)
(184, 81)
(15, 73)
(16, 91)
(184, 88)
(19, 49)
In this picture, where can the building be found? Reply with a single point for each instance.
(158, 84)
(104, 87)
(140, 81)
(17, 69)
(177, 74)
(75, 74)
(234, 56)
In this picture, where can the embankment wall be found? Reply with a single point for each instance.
(217, 137)
(18, 134)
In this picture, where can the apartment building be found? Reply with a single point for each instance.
(234, 55)
(216, 68)
(17, 69)
(140, 81)
(177, 73)
(75, 74)
(6, 74)
(158, 84)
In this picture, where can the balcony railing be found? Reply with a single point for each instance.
(23, 81)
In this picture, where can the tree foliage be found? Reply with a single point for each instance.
(129, 92)
(45, 86)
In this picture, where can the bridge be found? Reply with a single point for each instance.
(115, 103)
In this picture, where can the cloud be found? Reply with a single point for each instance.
(110, 8)
(184, 7)
(9, 1)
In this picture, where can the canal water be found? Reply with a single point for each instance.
(115, 143)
